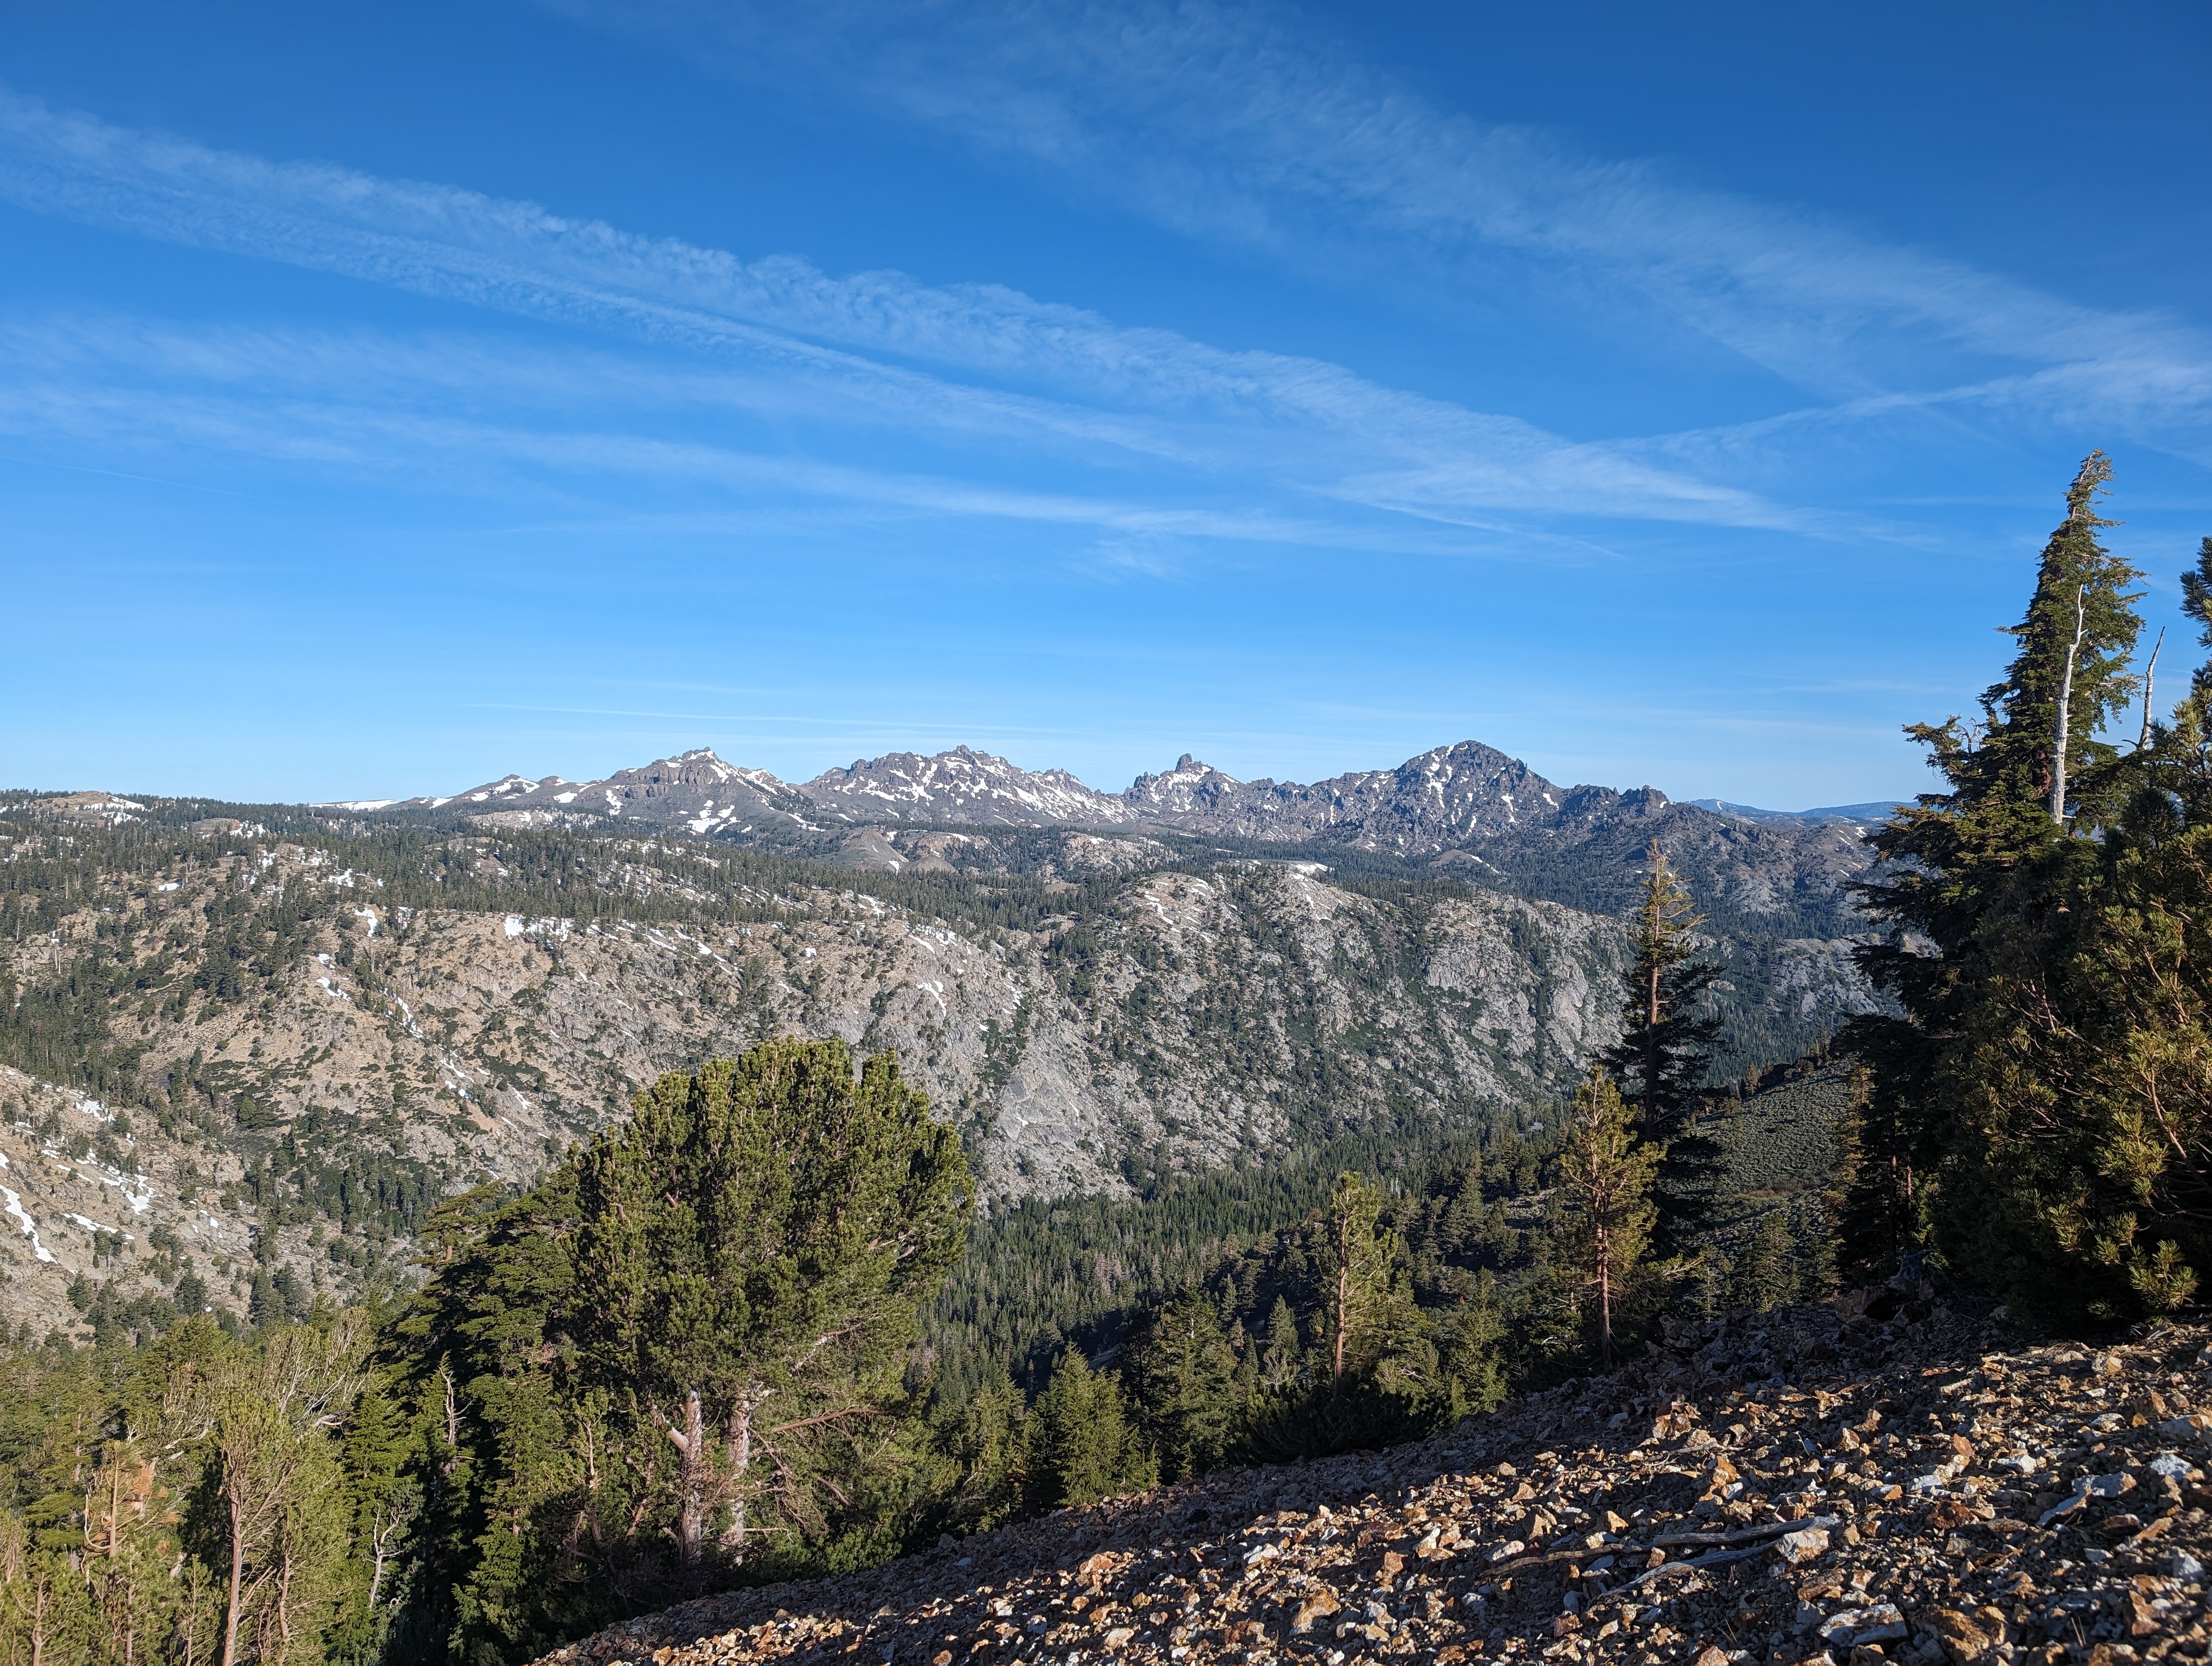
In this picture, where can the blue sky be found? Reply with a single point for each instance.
(392, 396)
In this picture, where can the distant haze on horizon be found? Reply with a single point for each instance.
(392, 400)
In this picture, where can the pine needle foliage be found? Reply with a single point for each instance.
(2042, 1117)
(683, 1354)
(1605, 1208)
(1080, 1445)
(1669, 1030)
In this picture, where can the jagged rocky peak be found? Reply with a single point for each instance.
(697, 791)
(507, 788)
(1466, 798)
(1190, 785)
(1442, 797)
(963, 785)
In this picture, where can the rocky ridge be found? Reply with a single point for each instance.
(1777, 890)
(82, 1190)
(275, 1012)
(695, 791)
(1878, 1479)
(1466, 798)
(962, 786)
(1449, 797)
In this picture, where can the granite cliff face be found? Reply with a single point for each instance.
(285, 1021)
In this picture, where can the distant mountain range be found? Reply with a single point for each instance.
(1872, 814)
(1444, 799)
(1467, 811)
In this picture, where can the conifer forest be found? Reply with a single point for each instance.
(685, 1213)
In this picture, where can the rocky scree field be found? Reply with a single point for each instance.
(1878, 1479)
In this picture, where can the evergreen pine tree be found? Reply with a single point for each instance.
(1182, 1379)
(754, 1246)
(691, 1339)
(386, 1503)
(2196, 603)
(1765, 1275)
(46, 1608)
(129, 1555)
(1464, 1217)
(1606, 1175)
(989, 1445)
(272, 1510)
(1660, 1063)
(1710, 1274)
(1998, 1108)
(1081, 1444)
(1819, 1258)
(1471, 1338)
(1282, 1358)
(1366, 1309)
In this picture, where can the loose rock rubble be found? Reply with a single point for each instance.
(1874, 1480)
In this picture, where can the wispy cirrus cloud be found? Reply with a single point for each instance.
(956, 368)
(1238, 122)
(470, 415)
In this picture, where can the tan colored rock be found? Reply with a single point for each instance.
(1805, 1545)
(1963, 1638)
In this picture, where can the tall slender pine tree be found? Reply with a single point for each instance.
(1604, 1186)
(1984, 1132)
(1659, 1064)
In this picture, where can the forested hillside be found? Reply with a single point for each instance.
(364, 1171)
(303, 1028)
(261, 1062)
(737, 1335)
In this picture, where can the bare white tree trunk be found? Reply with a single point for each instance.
(2150, 672)
(1605, 1299)
(382, 1530)
(1343, 1325)
(2065, 715)
(741, 1458)
(691, 1516)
